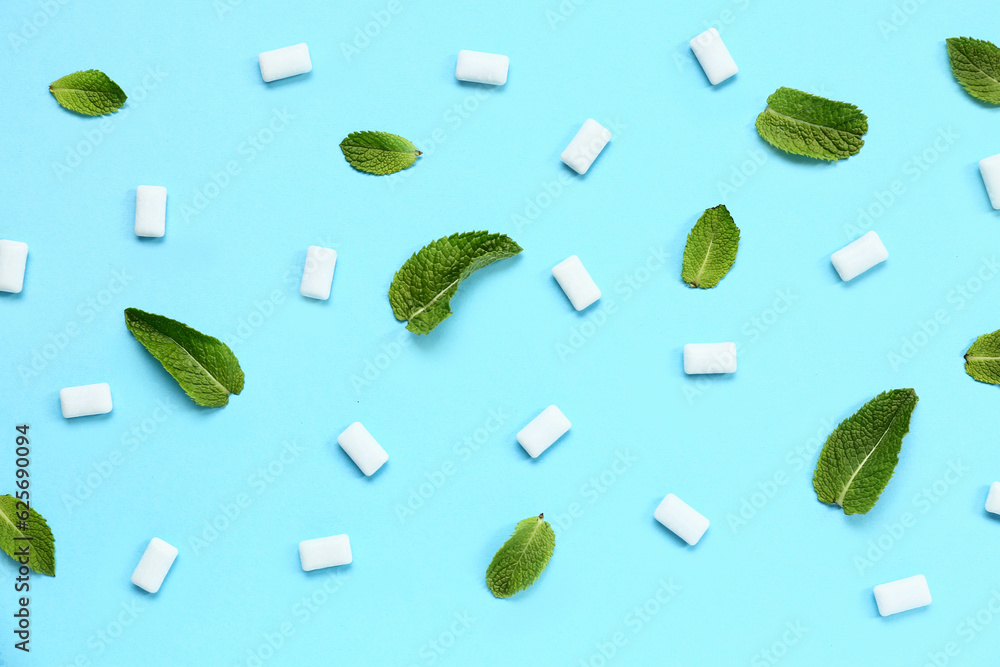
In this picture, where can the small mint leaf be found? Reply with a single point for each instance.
(90, 92)
(378, 153)
(422, 289)
(522, 558)
(14, 527)
(813, 126)
(982, 361)
(711, 248)
(204, 367)
(860, 455)
(976, 65)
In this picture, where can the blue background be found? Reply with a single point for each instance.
(778, 578)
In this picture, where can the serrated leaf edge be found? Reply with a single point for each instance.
(117, 108)
(208, 373)
(19, 532)
(834, 158)
(841, 497)
(430, 303)
(696, 281)
(416, 152)
(527, 543)
(409, 319)
(952, 43)
(847, 486)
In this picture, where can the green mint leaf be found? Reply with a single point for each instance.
(204, 367)
(378, 152)
(89, 92)
(976, 65)
(522, 558)
(711, 248)
(861, 454)
(15, 526)
(982, 361)
(804, 124)
(421, 290)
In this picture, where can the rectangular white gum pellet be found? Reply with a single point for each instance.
(713, 56)
(990, 169)
(85, 400)
(588, 143)
(902, 595)
(479, 67)
(150, 210)
(705, 358)
(317, 274)
(13, 258)
(363, 449)
(681, 519)
(993, 499)
(542, 431)
(576, 282)
(154, 565)
(858, 256)
(325, 552)
(285, 62)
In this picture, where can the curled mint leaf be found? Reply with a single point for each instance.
(204, 367)
(422, 289)
(976, 65)
(860, 455)
(21, 528)
(711, 248)
(813, 126)
(522, 558)
(982, 361)
(378, 153)
(89, 92)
